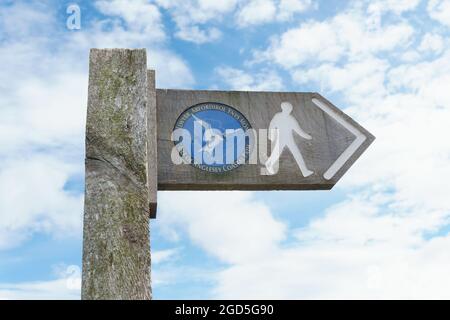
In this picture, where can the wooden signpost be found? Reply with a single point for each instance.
(332, 132)
(140, 139)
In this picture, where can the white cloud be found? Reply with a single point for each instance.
(418, 76)
(364, 248)
(335, 271)
(197, 35)
(359, 78)
(168, 268)
(288, 8)
(439, 10)
(171, 70)
(48, 111)
(433, 43)
(231, 226)
(348, 35)
(238, 79)
(377, 9)
(162, 256)
(191, 17)
(395, 6)
(66, 287)
(39, 290)
(21, 19)
(33, 199)
(139, 15)
(198, 20)
(410, 56)
(256, 12)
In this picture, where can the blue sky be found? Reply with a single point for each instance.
(382, 232)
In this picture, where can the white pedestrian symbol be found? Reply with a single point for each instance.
(281, 133)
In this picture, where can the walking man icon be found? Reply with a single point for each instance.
(281, 133)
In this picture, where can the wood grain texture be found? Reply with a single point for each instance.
(116, 248)
(330, 139)
(152, 143)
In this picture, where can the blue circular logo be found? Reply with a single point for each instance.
(216, 137)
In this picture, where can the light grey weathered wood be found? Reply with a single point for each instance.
(152, 143)
(329, 141)
(116, 248)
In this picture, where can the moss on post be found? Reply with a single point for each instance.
(116, 241)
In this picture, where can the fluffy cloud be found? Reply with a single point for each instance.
(255, 12)
(171, 70)
(287, 8)
(238, 79)
(67, 286)
(198, 20)
(191, 16)
(222, 222)
(335, 271)
(439, 10)
(139, 15)
(163, 255)
(44, 112)
(363, 248)
(41, 126)
(33, 199)
(361, 78)
(394, 6)
(433, 43)
(347, 35)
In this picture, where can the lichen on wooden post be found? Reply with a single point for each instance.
(116, 241)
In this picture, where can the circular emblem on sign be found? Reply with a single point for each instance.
(215, 137)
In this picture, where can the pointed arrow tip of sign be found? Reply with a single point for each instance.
(351, 149)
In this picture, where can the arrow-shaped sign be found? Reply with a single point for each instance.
(261, 141)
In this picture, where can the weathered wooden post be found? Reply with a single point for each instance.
(116, 241)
